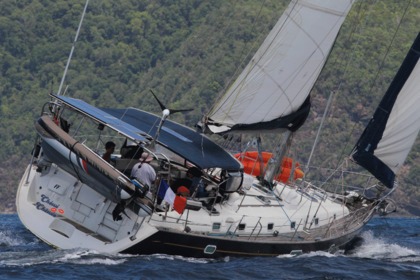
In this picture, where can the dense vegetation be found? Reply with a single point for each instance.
(187, 51)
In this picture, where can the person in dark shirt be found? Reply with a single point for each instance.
(192, 182)
(109, 149)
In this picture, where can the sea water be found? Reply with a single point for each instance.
(391, 250)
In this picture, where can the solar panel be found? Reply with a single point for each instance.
(140, 125)
(104, 118)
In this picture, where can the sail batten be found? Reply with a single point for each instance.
(275, 85)
(390, 135)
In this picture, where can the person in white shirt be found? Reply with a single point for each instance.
(143, 171)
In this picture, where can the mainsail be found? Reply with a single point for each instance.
(272, 92)
(390, 134)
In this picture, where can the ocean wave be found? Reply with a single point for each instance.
(380, 248)
(8, 238)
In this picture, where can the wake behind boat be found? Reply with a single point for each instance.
(70, 197)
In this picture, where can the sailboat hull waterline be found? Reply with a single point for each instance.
(67, 214)
(70, 197)
(196, 246)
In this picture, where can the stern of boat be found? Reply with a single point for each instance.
(67, 214)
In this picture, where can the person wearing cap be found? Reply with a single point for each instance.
(183, 191)
(143, 171)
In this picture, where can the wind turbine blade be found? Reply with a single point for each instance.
(160, 103)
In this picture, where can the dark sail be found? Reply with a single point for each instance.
(291, 122)
(390, 134)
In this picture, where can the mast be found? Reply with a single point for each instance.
(273, 166)
(271, 95)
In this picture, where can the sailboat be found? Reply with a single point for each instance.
(70, 197)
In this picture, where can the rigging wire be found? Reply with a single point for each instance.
(333, 93)
(384, 58)
(245, 53)
(381, 65)
(382, 62)
(72, 48)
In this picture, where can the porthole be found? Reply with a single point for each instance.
(210, 249)
(216, 226)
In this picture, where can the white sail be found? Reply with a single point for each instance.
(278, 79)
(403, 124)
(71, 197)
(390, 135)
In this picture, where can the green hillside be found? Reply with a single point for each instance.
(188, 51)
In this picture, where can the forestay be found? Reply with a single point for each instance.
(390, 134)
(272, 91)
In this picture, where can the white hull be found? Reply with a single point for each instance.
(67, 214)
(71, 198)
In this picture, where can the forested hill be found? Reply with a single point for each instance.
(188, 51)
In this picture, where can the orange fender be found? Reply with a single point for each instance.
(252, 166)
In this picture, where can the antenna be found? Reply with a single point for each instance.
(72, 48)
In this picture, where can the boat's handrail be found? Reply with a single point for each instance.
(47, 112)
(255, 227)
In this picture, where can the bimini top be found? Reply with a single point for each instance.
(141, 126)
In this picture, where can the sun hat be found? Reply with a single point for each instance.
(145, 157)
